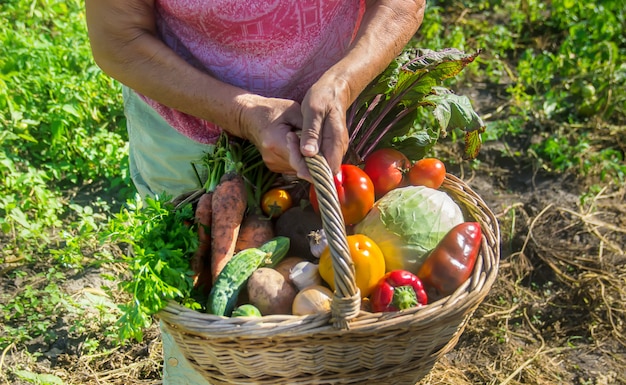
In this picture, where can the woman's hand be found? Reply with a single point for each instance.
(274, 127)
(271, 124)
(324, 120)
(387, 27)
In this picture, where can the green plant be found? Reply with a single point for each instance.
(569, 68)
(572, 150)
(61, 118)
(33, 311)
(158, 247)
(38, 378)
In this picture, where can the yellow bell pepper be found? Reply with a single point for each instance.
(369, 263)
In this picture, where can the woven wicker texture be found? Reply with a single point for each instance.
(347, 346)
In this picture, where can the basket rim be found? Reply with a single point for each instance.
(459, 304)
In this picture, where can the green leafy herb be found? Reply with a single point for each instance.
(159, 243)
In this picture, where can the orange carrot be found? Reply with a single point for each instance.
(201, 261)
(255, 231)
(229, 205)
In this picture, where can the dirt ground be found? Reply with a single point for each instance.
(554, 316)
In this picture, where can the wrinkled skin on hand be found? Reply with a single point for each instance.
(285, 131)
(324, 121)
(269, 123)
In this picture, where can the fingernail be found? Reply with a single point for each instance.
(310, 148)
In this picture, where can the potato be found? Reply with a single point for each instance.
(270, 292)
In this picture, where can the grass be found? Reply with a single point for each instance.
(550, 83)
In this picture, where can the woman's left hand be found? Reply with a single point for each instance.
(324, 121)
(387, 27)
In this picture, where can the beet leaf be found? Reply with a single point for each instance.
(391, 111)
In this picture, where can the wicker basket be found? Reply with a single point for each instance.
(347, 346)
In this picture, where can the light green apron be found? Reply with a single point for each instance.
(160, 157)
(160, 162)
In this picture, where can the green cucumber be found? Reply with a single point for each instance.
(230, 281)
(277, 248)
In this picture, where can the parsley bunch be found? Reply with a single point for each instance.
(159, 242)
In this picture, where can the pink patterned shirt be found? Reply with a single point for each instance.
(275, 48)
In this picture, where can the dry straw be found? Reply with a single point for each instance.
(347, 346)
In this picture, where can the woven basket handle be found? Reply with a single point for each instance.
(346, 302)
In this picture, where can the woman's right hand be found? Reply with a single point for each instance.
(271, 124)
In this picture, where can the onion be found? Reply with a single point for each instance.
(314, 299)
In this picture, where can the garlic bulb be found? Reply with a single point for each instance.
(305, 274)
(317, 242)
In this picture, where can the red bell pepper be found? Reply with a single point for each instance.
(452, 261)
(398, 290)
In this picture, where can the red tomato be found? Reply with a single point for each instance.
(386, 168)
(429, 172)
(355, 192)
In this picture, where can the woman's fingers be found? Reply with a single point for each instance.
(311, 132)
(324, 121)
(296, 158)
(327, 135)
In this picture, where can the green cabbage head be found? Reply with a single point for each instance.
(408, 222)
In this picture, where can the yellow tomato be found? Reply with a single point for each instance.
(275, 202)
(369, 263)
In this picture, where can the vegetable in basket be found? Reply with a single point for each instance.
(314, 299)
(296, 224)
(246, 310)
(429, 172)
(405, 109)
(305, 274)
(229, 205)
(255, 230)
(387, 168)
(398, 290)
(201, 260)
(355, 192)
(408, 222)
(368, 259)
(451, 263)
(227, 212)
(276, 201)
(270, 292)
(216, 161)
(235, 274)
